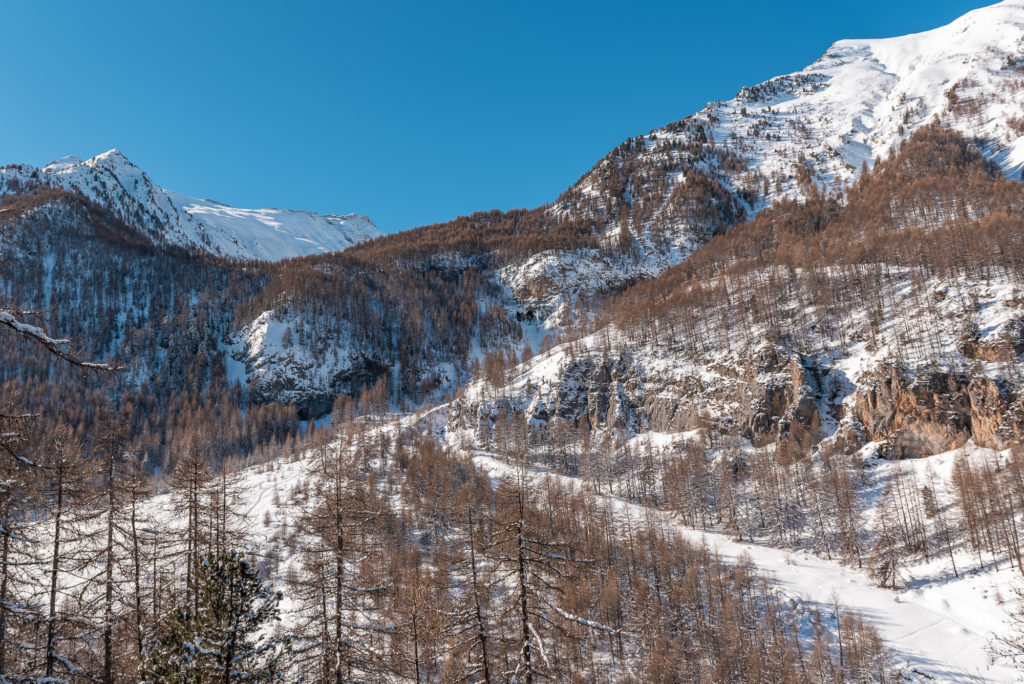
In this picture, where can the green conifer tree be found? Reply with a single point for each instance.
(227, 639)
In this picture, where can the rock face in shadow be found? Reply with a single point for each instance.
(936, 411)
(313, 401)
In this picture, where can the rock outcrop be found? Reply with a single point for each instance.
(935, 411)
(774, 399)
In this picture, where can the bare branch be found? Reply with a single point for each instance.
(58, 347)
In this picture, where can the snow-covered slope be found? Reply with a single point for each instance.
(940, 629)
(864, 96)
(674, 187)
(267, 234)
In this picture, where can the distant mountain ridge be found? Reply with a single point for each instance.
(112, 181)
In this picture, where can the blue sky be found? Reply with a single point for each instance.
(409, 112)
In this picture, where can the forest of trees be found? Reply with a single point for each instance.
(162, 522)
(807, 501)
(401, 563)
(936, 208)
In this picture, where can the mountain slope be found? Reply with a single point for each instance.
(883, 331)
(112, 181)
(801, 315)
(656, 199)
(666, 193)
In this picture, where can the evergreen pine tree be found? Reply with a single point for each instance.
(225, 641)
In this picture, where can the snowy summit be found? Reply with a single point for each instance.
(114, 182)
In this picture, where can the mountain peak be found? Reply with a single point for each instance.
(112, 158)
(111, 180)
(112, 153)
(791, 137)
(864, 96)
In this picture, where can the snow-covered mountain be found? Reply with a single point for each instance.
(112, 181)
(864, 96)
(827, 386)
(668, 191)
(655, 199)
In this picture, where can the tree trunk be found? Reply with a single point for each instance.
(525, 614)
(481, 627)
(51, 619)
(137, 568)
(108, 598)
(5, 549)
(339, 568)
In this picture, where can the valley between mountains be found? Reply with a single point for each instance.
(743, 404)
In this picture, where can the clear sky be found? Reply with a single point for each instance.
(410, 112)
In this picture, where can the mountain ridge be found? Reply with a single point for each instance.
(657, 197)
(114, 182)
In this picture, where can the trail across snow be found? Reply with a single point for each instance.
(940, 633)
(946, 645)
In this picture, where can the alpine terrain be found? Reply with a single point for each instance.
(743, 404)
(165, 217)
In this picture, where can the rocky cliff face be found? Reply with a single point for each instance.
(790, 414)
(937, 411)
(774, 398)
